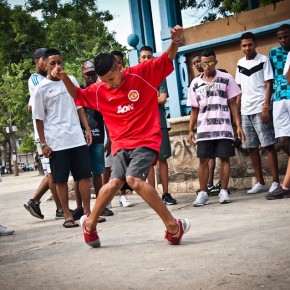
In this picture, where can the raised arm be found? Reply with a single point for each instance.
(62, 75)
(176, 37)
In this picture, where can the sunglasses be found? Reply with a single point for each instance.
(210, 63)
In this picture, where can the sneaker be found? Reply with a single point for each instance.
(59, 215)
(201, 199)
(274, 186)
(224, 197)
(91, 237)
(278, 193)
(184, 226)
(168, 199)
(213, 190)
(34, 209)
(258, 187)
(106, 212)
(4, 231)
(77, 213)
(124, 201)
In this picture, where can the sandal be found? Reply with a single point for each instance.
(101, 220)
(70, 224)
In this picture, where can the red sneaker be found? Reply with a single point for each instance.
(91, 237)
(184, 226)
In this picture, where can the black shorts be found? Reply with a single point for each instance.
(134, 162)
(75, 160)
(165, 148)
(215, 148)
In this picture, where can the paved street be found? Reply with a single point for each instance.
(242, 245)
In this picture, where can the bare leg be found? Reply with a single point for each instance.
(106, 176)
(78, 196)
(273, 162)
(41, 190)
(97, 182)
(151, 176)
(283, 143)
(53, 190)
(149, 194)
(286, 181)
(211, 168)
(203, 173)
(62, 190)
(225, 172)
(106, 194)
(256, 162)
(163, 171)
(85, 190)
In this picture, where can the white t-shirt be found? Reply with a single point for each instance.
(251, 75)
(287, 64)
(33, 81)
(56, 108)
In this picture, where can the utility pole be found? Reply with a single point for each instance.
(13, 145)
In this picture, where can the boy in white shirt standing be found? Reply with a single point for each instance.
(254, 75)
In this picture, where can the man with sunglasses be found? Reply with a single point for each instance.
(212, 96)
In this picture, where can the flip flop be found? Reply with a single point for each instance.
(101, 220)
(70, 224)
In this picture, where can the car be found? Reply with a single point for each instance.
(28, 167)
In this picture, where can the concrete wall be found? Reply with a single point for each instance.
(228, 54)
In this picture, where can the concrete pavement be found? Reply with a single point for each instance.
(242, 245)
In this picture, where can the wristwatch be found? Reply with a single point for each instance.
(42, 145)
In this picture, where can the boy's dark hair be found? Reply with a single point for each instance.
(248, 35)
(195, 55)
(146, 48)
(118, 53)
(283, 27)
(207, 53)
(50, 52)
(104, 62)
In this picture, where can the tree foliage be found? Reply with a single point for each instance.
(27, 145)
(77, 28)
(220, 8)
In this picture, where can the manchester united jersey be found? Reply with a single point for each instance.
(131, 111)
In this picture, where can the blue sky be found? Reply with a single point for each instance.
(122, 22)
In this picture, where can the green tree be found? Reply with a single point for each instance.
(27, 145)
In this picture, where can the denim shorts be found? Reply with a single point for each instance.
(97, 158)
(135, 162)
(256, 132)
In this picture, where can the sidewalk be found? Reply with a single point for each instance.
(242, 245)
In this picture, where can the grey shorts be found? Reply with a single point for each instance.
(256, 132)
(135, 162)
(165, 148)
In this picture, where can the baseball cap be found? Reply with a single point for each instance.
(87, 66)
(39, 53)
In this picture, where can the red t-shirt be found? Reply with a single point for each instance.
(130, 111)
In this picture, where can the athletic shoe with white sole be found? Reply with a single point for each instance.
(224, 196)
(91, 237)
(124, 201)
(258, 187)
(274, 186)
(184, 226)
(201, 199)
(34, 209)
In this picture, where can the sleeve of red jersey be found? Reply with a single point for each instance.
(156, 70)
(87, 97)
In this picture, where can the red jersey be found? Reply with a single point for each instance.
(131, 111)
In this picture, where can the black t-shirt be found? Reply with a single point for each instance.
(96, 123)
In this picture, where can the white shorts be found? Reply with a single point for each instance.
(109, 161)
(281, 118)
(45, 165)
